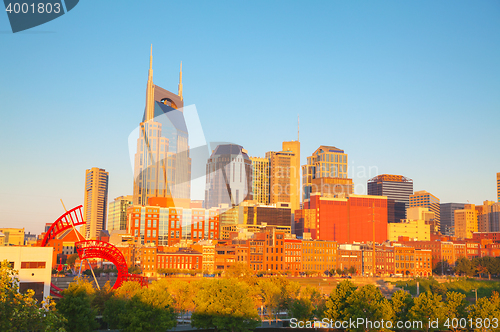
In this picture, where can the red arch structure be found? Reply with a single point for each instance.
(100, 249)
(70, 219)
(92, 248)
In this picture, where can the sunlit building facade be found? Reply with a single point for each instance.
(425, 199)
(281, 177)
(117, 213)
(294, 147)
(162, 166)
(398, 189)
(345, 220)
(167, 226)
(447, 216)
(466, 223)
(325, 162)
(498, 187)
(488, 216)
(95, 201)
(260, 179)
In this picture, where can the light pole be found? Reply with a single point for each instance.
(373, 243)
(475, 291)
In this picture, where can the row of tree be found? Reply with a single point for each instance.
(450, 312)
(230, 303)
(477, 266)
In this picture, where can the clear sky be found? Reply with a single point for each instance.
(404, 87)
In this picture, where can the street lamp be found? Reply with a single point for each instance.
(475, 291)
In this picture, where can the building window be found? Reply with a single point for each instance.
(32, 265)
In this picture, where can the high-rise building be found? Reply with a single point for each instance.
(424, 199)
(344, 219)
(260, 179)
(325, 162)
(229, 176)
(397, 188)
(117, 213)
(167, 226)
(294, 146)
(280, 177)
(95, 202)
(162, 166)
(488, 216)
(466, 222)
(447, 215)
(498, 187)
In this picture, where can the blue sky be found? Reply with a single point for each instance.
(409, 88)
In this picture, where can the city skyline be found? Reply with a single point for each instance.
(430, 90)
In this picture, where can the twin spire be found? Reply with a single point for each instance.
(150, 88)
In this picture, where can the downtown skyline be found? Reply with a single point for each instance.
(417, 100)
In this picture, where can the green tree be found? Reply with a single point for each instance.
(485, 308)
(224, 304)
(128, 289)
(240, 271)
(134, 269)
(76, 307)
(427, 306)
(20, 312)
(455, 307)
(352, 270)
(438, 288)
(271, 295)
(100, 297)
(289, 292)
(316, 298)
(442, 267)
(71, 260)
(368, 303)
(182, 294)
(463, 266)
(133, 308)
(278, 293)
(302, 309)
(401, 303)
(336, 303)
(486, 265)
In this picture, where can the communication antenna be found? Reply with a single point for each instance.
(298, 127)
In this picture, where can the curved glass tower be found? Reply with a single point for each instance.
(229, 176)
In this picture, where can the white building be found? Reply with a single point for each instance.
(34, 265)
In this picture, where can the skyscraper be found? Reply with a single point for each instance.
(488, 216)
(284, 176)
(327, 162)
(424, 199)
(466, 221)
(95, 202)
(447, 216)
(398, 189)
(228, 177)
(294, 146)
(280, 168)
(117, 213)
(162, 166)
(260, 179)
(498, 187)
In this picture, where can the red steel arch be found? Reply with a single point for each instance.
(70, 219)
(100, 249)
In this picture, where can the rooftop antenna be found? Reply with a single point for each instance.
(298, 127)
